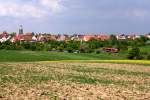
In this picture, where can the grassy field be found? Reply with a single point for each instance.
(73, 81)
(29, 56)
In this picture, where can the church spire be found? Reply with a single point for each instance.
(20, 29)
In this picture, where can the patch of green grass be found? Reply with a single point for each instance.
(10, 79)
(5, 70)
(107, 70)
(38, 79)
(29, 56)
(89, 80)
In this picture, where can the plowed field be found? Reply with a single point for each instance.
(74, 81)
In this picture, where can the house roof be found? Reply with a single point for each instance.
(102, 37)
(27, 37)
(88, 37)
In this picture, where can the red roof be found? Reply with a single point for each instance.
(17, 38)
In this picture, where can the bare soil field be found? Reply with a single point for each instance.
(74, 81)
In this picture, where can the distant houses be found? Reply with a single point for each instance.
(127, 37)
(121, 37)
(4, 37)
(32, 37)
(100, 37)
(148, 35)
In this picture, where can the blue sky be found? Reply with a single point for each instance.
(76, 16)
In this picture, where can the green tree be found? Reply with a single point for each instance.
(95, 44)
(70, 49)
(141, 41)
(134, 53)
(26, 45)
(60, 48)
(48, 47)
(122, 45)
(1, 46)
(39, 46)
(113, 40)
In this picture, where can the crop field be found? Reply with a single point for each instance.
(73, 81)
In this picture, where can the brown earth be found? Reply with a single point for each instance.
(74, 81)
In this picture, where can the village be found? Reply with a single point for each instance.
(44, 37)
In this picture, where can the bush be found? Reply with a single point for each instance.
(135, 57)
(98, 51)
(139, 58)
(33, 47)
(144, 53)
(1, 46)
(18, 47)
(27, 46)
(82, 50)
(89, 50)
(134, 53)
(9, 47)
(148, 57)
(39, 46)
(48, 48)
(70, 50)
(60, 48)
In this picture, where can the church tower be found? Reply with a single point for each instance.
(20, 29)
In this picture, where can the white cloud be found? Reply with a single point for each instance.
(38, 9)
(138, 13)
(52, 5)
(20, 10)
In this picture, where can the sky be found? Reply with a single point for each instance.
(76, 16)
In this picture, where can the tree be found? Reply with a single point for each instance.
(122, 45)
(95, 44)
(113, 39)
(60, 48)
(70, 49)
(1, 46)
(141, 41)
(39, 46)
(134, 53)
(48, 47)
(26, 45)
(33, 46)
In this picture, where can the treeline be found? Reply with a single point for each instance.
(81, 47)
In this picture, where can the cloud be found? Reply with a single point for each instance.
(11, 9)
(140, 13)
(52, 5)
(27, 9)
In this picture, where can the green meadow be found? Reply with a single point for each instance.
(29, 56)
